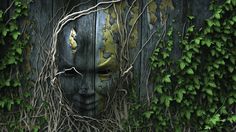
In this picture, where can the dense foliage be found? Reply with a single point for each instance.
(198, 91)
(12, 41)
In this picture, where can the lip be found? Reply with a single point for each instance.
(86, 104)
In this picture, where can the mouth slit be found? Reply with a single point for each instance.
(86, 107)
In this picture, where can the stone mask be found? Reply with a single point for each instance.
(93, 58)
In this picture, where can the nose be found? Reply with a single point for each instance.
(85, 85)
(84, 99)
(85, 91)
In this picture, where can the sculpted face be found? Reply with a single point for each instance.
(90, 65)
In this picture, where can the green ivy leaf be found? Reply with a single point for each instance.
(200, 112)
(27, 95)
(190, 71)
(12, 60)
(180, 93)
(217, 23)
(232, 59)
(216, 65)
(207, 42)
(19, 51)
(169, 33)
(212, 84)
(191, 17)
(234, 18)
(232, 119)
(214, 119)
(182, 65)
(191, 28)
(197, 40)
(36, 128)
(5, 31)
(167, 79)
(234, 77)
(209, 91)
(1, 14)
(188, 115)
(17, 3)
(210, 23)
(187, 59)
(233, 2)
(207, 30)
(18, 10)
(18, 101)
(167, 101)
(158, 89)
(224, 38)
(2, 103)
(7, 82)
(189, 54)
(165, 55)
(29, 107)
(231, 69)
(16, 83)
(9, 104)
(217, 15)
(15, 35)
(148, 114)
(13, 27)
(231, 101)
(207, 127)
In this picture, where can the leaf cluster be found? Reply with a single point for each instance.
(13, 40)
(197, 92)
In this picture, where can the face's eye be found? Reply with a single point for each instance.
(72, 40)
(104, 74)
(104, 71)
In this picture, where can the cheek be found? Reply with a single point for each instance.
(102, 85)
(105, 84)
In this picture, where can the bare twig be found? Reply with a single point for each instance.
(68, 69)
(9, 7)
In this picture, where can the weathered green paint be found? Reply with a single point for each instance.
(133, 42)
(165, 5)
(152, 13)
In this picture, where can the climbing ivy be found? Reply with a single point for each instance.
(197, 92)
(13, 39)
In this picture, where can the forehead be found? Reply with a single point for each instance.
(95, 43)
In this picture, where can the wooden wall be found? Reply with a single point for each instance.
(45, 13)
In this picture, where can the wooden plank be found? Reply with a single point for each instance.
(152, 27)
(200, 9)
(134, 50)
(177, 19)
(85, 57)
(64, 48)
(4, 4)
(40, 14)
(4, 47)
(79, 90)
(145, 32)
(100, 24)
